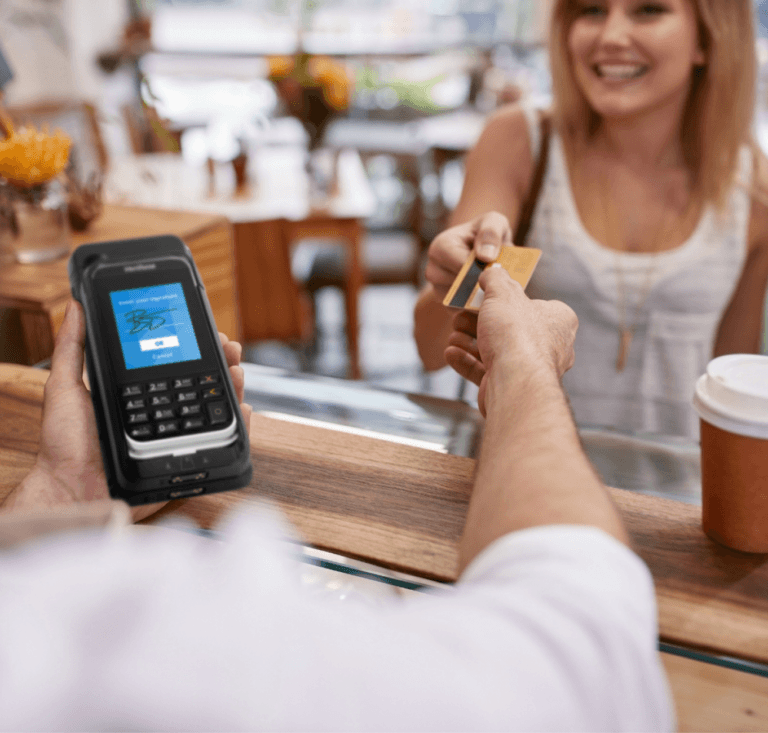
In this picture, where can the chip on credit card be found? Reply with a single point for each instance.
(519, 262)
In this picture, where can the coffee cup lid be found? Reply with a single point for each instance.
(733, 394)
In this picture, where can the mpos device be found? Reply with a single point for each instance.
(168, 418)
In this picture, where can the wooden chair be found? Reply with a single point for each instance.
(346, 270)
(273, 307)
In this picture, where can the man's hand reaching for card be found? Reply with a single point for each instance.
(510, 328)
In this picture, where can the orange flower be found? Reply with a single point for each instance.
(333, 77)
(30, 157)
(280, 66)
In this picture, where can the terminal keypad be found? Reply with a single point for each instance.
(172, 407)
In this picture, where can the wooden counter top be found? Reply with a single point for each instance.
(404, 508)
(23, 286)
(40, 291)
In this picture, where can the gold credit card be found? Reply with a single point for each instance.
(519, 262)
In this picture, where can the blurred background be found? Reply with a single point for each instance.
(383, 97)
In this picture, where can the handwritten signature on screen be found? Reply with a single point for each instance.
(144, 320)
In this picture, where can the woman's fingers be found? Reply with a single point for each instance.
(484, 235)
(490, 232)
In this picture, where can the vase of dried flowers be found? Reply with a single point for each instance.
(314, 90)
(33, 198)
(36, 222)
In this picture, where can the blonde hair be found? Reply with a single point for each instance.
(717, 119)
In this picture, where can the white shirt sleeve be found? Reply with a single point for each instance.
(550, 629)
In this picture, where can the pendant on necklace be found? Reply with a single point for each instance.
(624, 342)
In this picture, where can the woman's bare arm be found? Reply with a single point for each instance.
(498, 173)
(498, 169)
(741, 325)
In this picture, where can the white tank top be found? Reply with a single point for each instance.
(674, 330)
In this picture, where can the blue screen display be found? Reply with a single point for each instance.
(154, 326)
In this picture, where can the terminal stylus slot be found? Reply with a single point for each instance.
(184, 478)
(181, 493)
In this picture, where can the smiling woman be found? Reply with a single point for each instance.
(699, 56)
(648, 201)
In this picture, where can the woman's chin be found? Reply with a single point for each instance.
(620, 110)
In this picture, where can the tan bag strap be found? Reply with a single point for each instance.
(529, 206)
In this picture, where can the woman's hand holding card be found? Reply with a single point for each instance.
(484, 237)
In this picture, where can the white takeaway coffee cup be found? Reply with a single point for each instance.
(731, 399)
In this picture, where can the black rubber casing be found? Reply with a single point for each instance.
(123, 471)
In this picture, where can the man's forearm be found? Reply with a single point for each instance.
(431, 329)
(532, 470)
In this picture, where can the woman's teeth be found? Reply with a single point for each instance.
(620, 71)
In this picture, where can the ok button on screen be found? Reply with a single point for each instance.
(154, 326)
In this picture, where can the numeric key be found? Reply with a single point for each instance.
(167, 428)
(143, 431)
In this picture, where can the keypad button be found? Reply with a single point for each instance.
(132, 390)
(184, 383)
(158, 466)
(135, 404)
(159, 400)
(186, 396)
(209, 379)
(211, 392)
(163, 414)
(193, 423)
(157, 386)
(187, 463)
(145, 431)
(215, 457)
(217, 412)
(189, 410)
(138, 417)
(167, 428)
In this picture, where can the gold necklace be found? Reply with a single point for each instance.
(627, 330)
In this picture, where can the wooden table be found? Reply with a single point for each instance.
(40, 292)
(273, 214)
(404, 508)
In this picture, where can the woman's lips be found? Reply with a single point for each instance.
(620, 72)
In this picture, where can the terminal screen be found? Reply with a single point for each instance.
(154, 326)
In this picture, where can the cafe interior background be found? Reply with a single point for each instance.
(204, 106)
(370, 127)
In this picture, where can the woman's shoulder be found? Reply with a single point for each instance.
(506, 143)
(512, 122)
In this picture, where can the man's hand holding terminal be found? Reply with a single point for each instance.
(69, 466)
